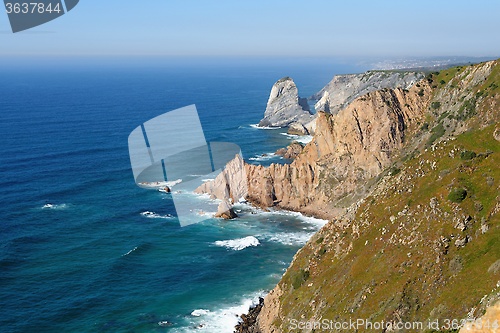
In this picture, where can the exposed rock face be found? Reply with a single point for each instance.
(344, 89)
(247, 324)
(496, 134)
(489, 323)
(297, 129)
(347, 149)
(229, 185)
(285, 106)
(226, 211)
(292, 151)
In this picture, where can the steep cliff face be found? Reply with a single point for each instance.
(343, 89)
(348, 148)
(422, 244)
(285, 107)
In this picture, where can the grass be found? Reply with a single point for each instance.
(392, 257)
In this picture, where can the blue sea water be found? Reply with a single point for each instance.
(77, 252)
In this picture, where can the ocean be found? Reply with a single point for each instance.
(82, 248)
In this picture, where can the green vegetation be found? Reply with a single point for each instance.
(467, 155)
(421, 247)
(437, 132)
(300, 278)
(421, 92)
(435, 105)
(457, 195)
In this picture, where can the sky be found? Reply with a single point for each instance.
(258, 28)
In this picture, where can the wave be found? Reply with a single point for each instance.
(153, 215)
(221, 320)
(239, 244)
(129, 252)
(265, 157)
(256, 126)
(54, 206)
(289, 238)
(199, 312)
(305, 139)
(156, 185)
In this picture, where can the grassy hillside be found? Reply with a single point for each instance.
(425, 245)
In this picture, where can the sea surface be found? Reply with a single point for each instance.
(82, 248)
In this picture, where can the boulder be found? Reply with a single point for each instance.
(297, 129)
(496, 134)
(226, 211)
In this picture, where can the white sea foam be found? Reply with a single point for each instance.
(153, 215)
(289, 238)
(157, 185)
(54, 206)
(129, 252)
(305, 139)
(256, 126)
(239, 244)
(199, 312)
(318, 223)
(222, 320)
(265, 157)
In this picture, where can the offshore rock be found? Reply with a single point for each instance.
(284, 106)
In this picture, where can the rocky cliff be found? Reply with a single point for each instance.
(418, 170)
(285, 107)
(343, 89)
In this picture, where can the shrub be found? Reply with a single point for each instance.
(435, 105)
(300, 278)
(437, 132)
(421, 92)
(442, 82)
(467, 155)
(457, 195)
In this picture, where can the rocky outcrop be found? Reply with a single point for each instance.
(347, 149)
(292, 151)
(226, 211)
(343, 89)
(297, 129)
(489, 323)
(496, 134)
(229, 185)
(284, 106)
(248, 321)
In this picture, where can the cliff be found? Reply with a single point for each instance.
(416, 175)
(285, 107)
(343, 89)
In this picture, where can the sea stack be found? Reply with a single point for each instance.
(285, 107)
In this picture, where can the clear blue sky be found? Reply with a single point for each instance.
(264, 28)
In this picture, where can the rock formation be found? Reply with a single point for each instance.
(285, 106)
(392, 255)
(297, 129)
(343, 89)
(226, 211)
(292, 151)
